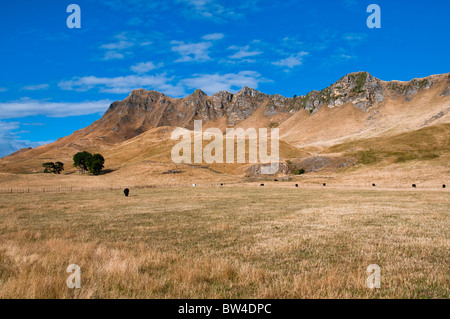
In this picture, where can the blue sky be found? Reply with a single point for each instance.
(55, 80)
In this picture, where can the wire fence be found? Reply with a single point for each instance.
(36, 190)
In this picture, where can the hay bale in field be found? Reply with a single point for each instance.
(126, 191)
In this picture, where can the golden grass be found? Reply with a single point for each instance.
(231, 242)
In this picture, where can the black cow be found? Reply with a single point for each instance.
(324, 184)
(296, 185)
(444, 186)
(374, 185)
(126, 191)
(414, 185)
(262, 185)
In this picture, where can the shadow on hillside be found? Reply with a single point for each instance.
(106, 171)
(103, 172)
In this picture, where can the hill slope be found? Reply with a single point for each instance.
(357, 113)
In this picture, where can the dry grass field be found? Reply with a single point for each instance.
(230, 242)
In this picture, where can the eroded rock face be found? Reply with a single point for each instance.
(409, 88)
(255, 170)
(446, 92)
(361, 89)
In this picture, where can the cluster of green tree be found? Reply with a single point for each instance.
(85, 161)
(55, 168)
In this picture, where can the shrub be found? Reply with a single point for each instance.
(367, 157)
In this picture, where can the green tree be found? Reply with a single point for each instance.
(96, 164)
(48, 167)
(59, 167)
(82, 161)
(55, 168)
(85, 161)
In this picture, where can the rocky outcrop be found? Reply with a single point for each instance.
(410, 88)
(446, 92)
(255, 170)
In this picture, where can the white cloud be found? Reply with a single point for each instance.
(354, 38)
(36, 87)
(144, 67)
(208, 9)
(124, 84)
(10, 142)
(119, 45)
(113, 55)
(191, 51)
(124, 42)
(213, 36)
(213, 83)
(291, 61)
(27, 107)
(243, 52)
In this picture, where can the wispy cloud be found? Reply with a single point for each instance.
(36, 87)
(113, 55)
(119, 45)
(207, 9)
(123, 45)
(355, 38)
(2, 89)
(213, 36)
(27, 107)
(213, 83)
(243, 52)
(123, 84)
(291, 61)
(210, 83)
(137, 6)
(197, 52)
(10, 141)
(144, 67)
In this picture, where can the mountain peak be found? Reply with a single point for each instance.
(199, 93)
(248, 91)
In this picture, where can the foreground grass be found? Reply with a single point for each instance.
(235, 242)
